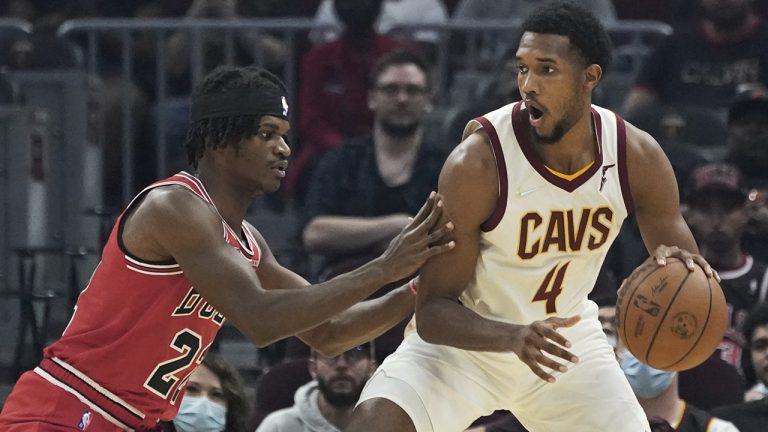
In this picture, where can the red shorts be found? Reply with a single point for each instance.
(35, 405)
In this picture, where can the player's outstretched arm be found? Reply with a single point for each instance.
(176, 224)
(657, 203)
(469, 185)
(360, 323)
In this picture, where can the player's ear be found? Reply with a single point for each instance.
(592, 75)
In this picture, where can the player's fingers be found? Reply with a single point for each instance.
(424, 211)
(439, 249)
(550, 363)
(440, 233)
(549, 332)
(662, 253)
(701, 262)
(539, 371)
(433, 217)
(559, 352)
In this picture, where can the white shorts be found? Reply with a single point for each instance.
(445, 389)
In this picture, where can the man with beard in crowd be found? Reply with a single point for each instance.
(326, 403)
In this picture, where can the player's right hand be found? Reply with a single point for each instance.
(531, 341)
(419, 241)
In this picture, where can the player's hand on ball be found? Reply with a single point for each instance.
(690, 259)
(532, 340)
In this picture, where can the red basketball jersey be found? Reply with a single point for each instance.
(139, 329)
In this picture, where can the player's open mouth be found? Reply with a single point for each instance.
(279, 168)
(535, 114)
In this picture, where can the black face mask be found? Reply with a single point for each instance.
(359, 19)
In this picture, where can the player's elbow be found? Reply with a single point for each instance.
(426, 328)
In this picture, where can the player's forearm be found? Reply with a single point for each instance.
(444, 321)
(276, 314)
(360, 323)
(339, 235)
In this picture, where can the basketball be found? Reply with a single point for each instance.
(671, 318)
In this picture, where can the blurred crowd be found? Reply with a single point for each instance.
(374, 117)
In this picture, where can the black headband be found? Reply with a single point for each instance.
(260, 101)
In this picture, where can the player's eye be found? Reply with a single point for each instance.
(522, 69)
(265, 135)
(548, 69)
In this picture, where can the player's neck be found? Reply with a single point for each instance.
(576, 149)
(667, 406)
(337, 416)
(231, 203)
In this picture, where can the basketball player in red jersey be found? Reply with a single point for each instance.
(181, 258)
(538, 191)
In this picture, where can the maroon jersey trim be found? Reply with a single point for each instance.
(621, 150)
(521, 132)
(501, 170)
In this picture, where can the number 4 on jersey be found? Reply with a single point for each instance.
(549, 289)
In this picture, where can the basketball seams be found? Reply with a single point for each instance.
(670, 303)
(703, 329)
(631, 296)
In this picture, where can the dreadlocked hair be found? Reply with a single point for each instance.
(223, 131)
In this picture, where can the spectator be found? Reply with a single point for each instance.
(702, 64)
(748, 133)
(394, 12)
(326, 403)
(364, 191)
(334, 87)
(494, 46)
(179, 47)
(752, 416)
(214, 400)
(519, 9)
(656, 390)
(717, 211)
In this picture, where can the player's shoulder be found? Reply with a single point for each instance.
(172, 206)
(641, 146)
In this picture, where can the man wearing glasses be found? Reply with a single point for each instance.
(326, 403)
(363, 191)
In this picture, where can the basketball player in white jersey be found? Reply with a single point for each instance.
(537, 191)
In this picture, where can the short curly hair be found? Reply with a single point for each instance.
(222, 131)
(582, 29)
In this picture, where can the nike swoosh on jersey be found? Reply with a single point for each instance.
(523, 193)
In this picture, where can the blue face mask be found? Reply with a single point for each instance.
(199, 414)
(645, 381)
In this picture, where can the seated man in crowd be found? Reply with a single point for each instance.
(752, 416)
(326, 403)
(717, 210)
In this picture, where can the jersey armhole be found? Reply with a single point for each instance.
(621, 148)
(501, 174)
(121, 226)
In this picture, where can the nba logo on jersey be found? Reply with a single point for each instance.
(85, 420)
(285, 106)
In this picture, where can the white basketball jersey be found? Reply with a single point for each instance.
(541, 250)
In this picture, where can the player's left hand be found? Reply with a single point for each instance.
(690, 259)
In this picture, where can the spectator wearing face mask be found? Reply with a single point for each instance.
(214, 400)
(656, 390)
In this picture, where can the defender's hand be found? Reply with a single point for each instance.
(529, 342)
(419, 241)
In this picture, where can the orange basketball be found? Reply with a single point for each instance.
(669, 317)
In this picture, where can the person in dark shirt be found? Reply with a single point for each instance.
(702, 64)
(364, 191)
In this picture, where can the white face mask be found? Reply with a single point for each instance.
(200, 414)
